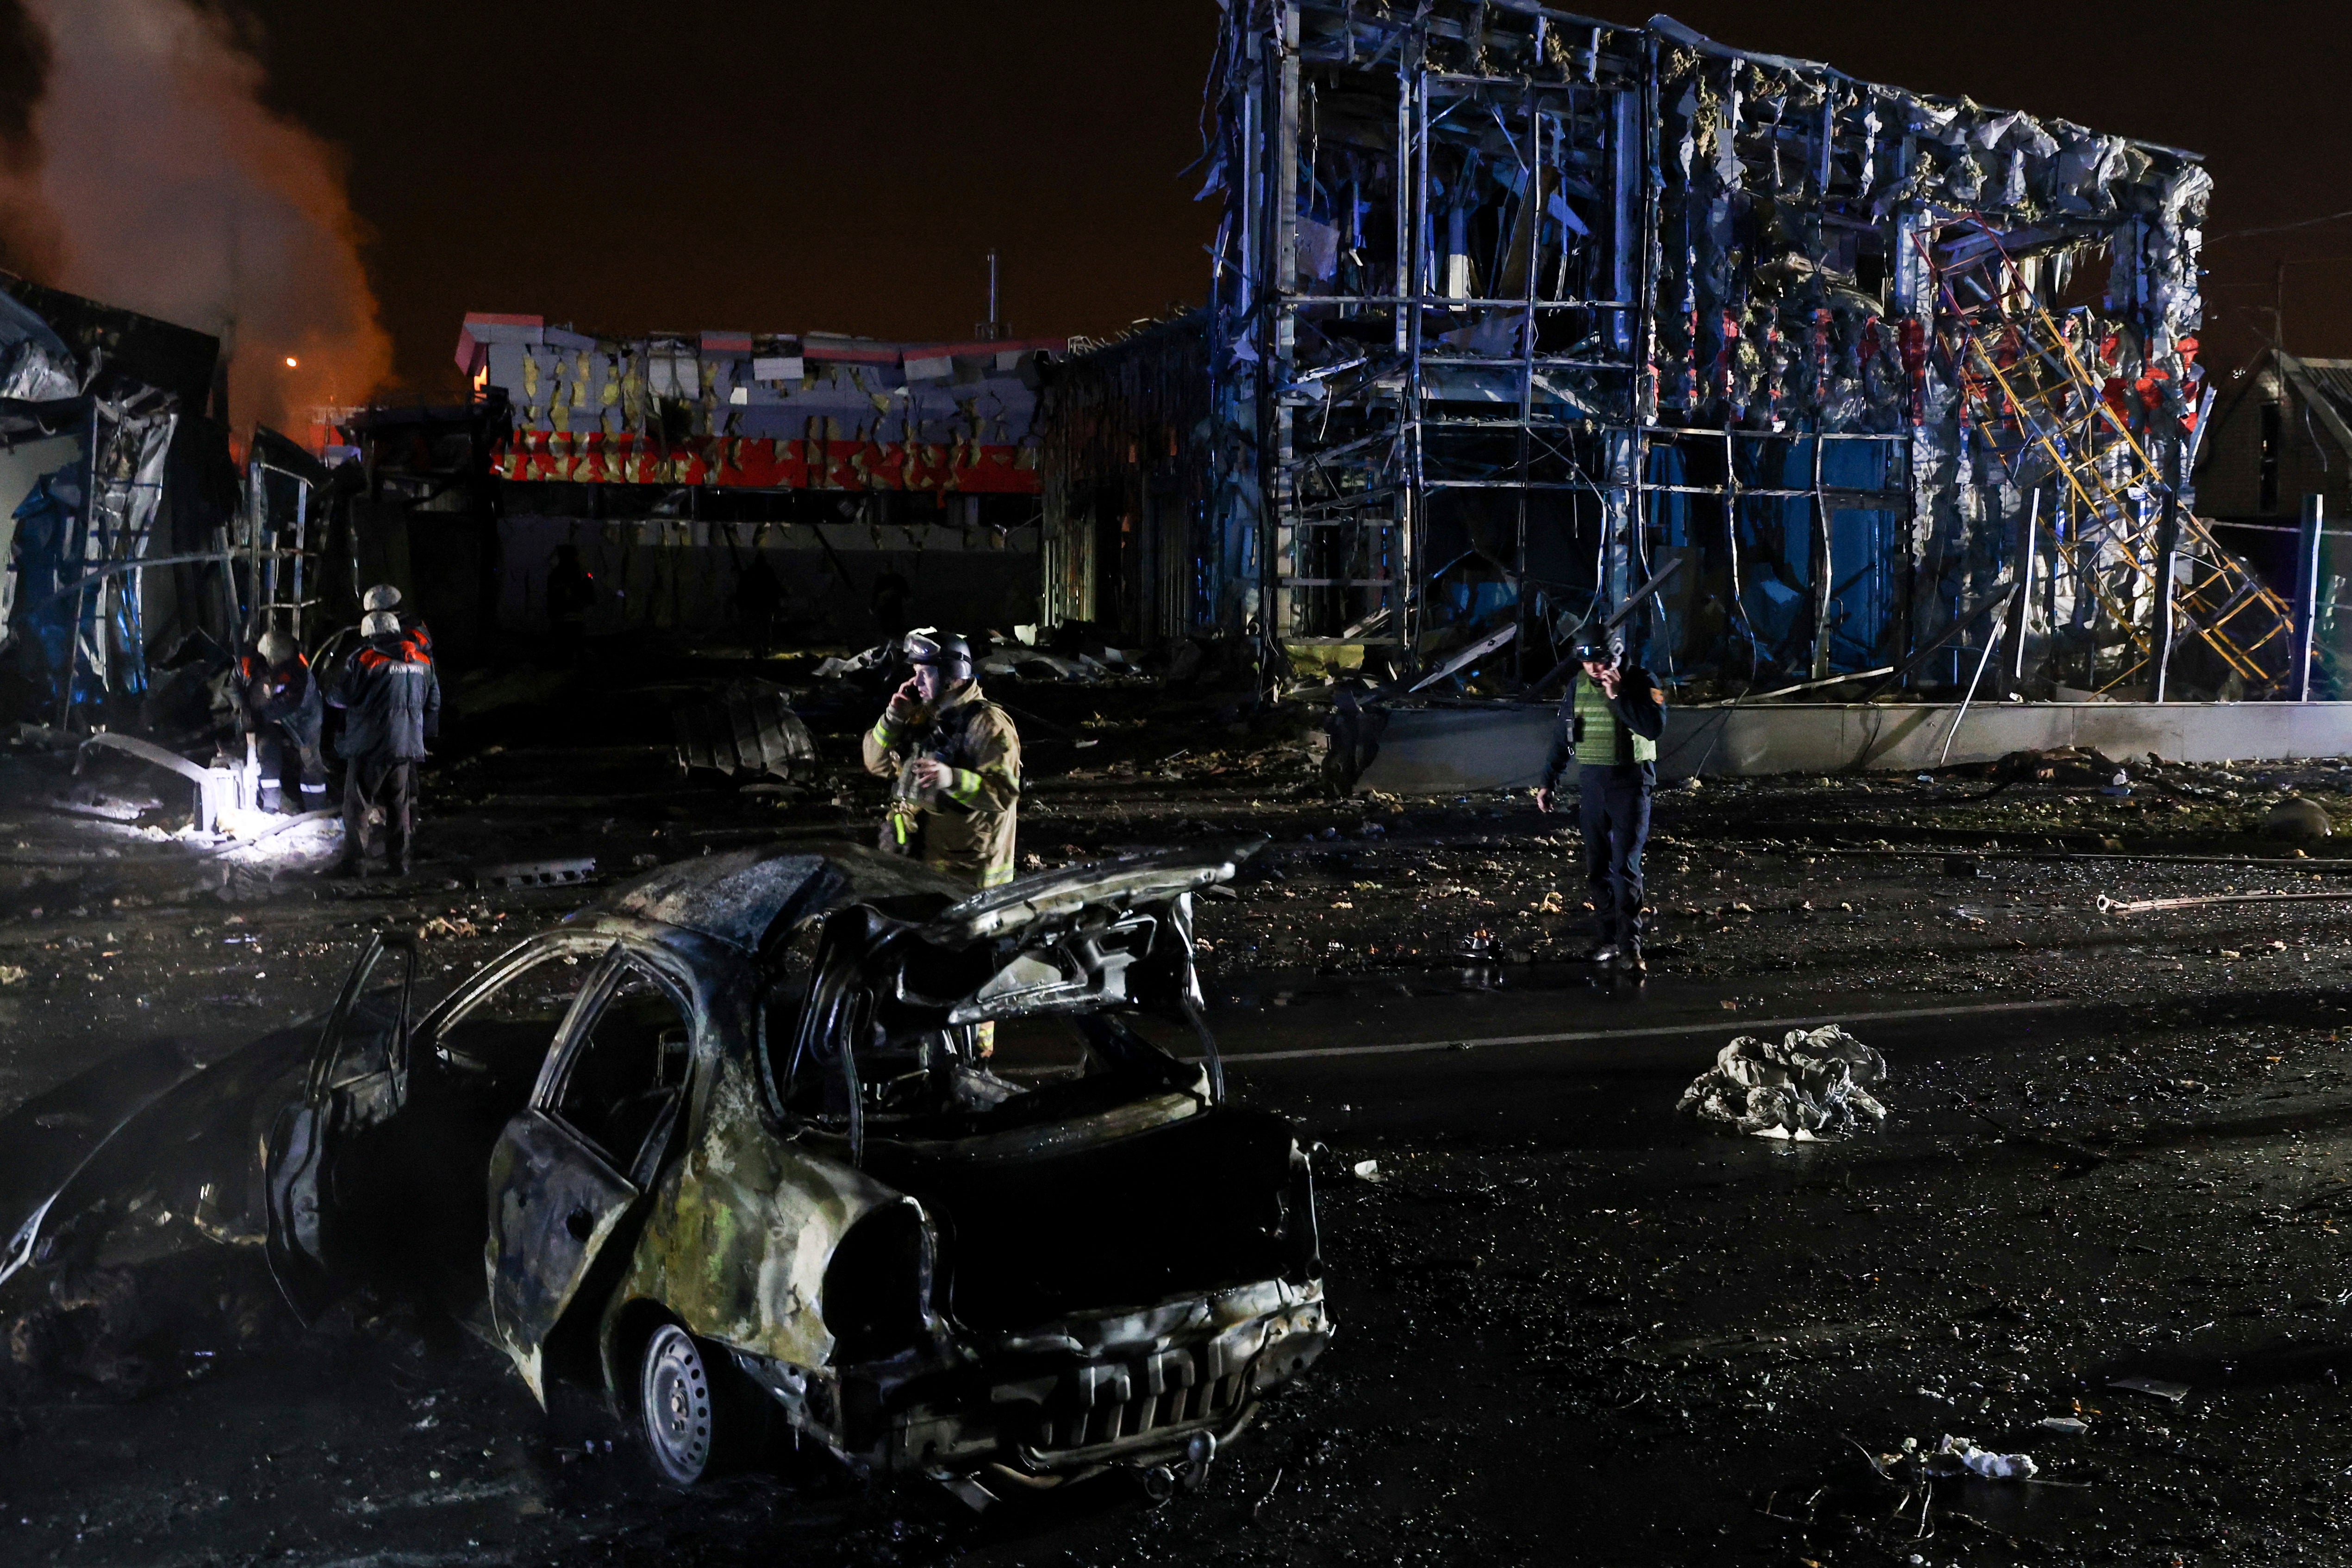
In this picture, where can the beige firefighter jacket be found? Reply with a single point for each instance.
(966, 827)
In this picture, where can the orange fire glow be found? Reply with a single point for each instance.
(160, 182)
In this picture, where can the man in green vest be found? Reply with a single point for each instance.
(1610, 722)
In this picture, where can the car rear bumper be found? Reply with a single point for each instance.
(1124, 1388)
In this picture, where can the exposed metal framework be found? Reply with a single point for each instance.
(1512, 306)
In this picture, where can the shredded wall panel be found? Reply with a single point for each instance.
(1571, 296)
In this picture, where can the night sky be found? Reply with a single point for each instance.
(818, 165)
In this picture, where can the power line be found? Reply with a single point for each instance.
(2279, 227)
(2260, 283)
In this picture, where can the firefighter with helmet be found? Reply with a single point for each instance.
(280, 705)
(954, 758)
(413, 634)
(391, 703)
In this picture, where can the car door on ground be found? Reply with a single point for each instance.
(569, 1168)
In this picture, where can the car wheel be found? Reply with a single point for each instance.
(678, 1412)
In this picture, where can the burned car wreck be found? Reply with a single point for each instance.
(729, 1146)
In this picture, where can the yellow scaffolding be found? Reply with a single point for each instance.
(2022, 370)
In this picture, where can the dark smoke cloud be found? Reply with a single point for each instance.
(150, 175)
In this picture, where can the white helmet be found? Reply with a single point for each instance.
(277, 647)
(383, 597)
(380, 624)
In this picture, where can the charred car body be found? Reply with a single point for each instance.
(724, 1145)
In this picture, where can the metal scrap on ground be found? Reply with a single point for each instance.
(1816, 1083)
(751, 728)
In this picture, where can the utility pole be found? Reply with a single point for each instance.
(2306, 595)
(992, 329)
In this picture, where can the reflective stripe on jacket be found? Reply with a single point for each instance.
(393, 702)
(968, 826)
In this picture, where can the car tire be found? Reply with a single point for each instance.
(681, 1407)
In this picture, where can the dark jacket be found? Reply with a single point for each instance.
(418, 638)
(288, 696)
(392, 701)
(1639, 705)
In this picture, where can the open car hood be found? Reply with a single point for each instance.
(1050, 898)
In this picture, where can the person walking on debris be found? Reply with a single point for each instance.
(392, 701)
(1610, 722)
(955, 759)
(279, 706)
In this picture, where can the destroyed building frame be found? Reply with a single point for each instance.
(1513, 308)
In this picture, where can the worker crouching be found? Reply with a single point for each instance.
(954, 760)
(279, 708)
(1610, 722)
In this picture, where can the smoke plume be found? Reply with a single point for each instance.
(154, 179)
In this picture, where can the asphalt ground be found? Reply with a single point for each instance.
(1574, 1326)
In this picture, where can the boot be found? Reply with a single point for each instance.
(1629, 954)
(1605, 947)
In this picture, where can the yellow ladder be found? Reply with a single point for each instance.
(2020, 368)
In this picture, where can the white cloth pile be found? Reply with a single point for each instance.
(1815, 1083)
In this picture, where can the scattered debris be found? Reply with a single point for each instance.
(223, 790)
(838, 668)
(536, 873)
(1036, 664)
(2299, 817)
(1959, 1456)
(2110, 906)
(751, 728)
(2153, 1387)
(1814, 1084)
